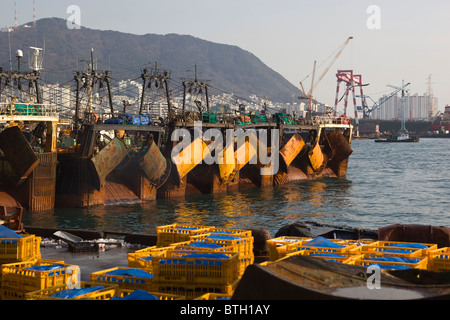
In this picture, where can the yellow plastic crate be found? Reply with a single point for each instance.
(121, 293)
(104, 293)
(394, 248)
(231, 232)
(277, 246)
(243, 263)
(202, 246)
(363, 261)
(439, 260)
(242, 245)
(195, 290)
(193, 267)
(19, 249)
(7, 293)
(125, 278)
(173, 233)
(336, 257)
(19, 277)
(197, 246)
(25, 264)
(344, 249)
(142, 258)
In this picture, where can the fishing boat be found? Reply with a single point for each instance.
(109, 157)
(28, 135)
(115, 157)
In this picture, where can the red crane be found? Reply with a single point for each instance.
(351, 80)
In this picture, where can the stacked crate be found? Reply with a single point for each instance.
(384, 254)
(278, 247)
(439, 259)
(20, 249)
(196, 260)
(243, 245)
(393, 255)
(85, 291)
(322, 248)
(24, 277)
(16, 248)
(124, 278)
(173, 233)
(142, 258)
(193, 273)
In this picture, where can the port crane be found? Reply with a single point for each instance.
(351, 80)
(314, 82)
(367, 110)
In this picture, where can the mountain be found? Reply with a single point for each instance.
(227, 68)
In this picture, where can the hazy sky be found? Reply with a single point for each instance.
(408, 40)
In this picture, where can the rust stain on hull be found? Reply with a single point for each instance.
(42, 183)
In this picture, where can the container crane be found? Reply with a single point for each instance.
(314, 82)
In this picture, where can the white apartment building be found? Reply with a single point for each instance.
(56, 95)
(416, 108)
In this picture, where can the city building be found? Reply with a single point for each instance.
(418, 108)
(56, 95)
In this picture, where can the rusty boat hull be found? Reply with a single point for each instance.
(27, 178)
(117, 174)
(112, 173)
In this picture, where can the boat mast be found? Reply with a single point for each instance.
(14, 78)
(87, 80)
(157, 78)
(192, 87)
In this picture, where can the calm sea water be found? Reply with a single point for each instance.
(385, 184)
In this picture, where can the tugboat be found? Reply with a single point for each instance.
(404, 137)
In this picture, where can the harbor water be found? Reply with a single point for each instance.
(387, 183)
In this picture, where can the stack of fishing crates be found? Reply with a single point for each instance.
(384, 254)
(125, 278)
(322, 248)
(439, 260)
(16, 248)
(279, 247)
(20, 278)
(192, 261)
(393, 255)
(191, 237)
